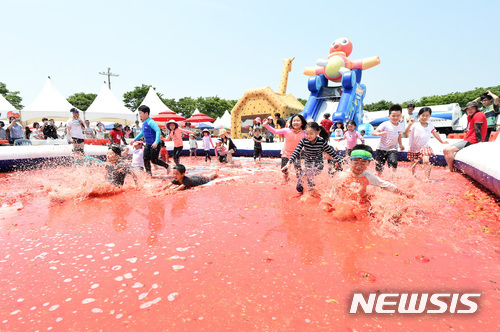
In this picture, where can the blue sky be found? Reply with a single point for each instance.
(218, 47)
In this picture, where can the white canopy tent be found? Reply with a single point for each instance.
(216, 123)
(5, 107)
(225, 120)
(50, 103)
(154, 103)
(109, 109)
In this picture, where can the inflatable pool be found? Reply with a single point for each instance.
(477, 161)
(482, 163)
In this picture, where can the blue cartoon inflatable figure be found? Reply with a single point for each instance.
(340, 69)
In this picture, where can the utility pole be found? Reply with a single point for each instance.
(109, 74)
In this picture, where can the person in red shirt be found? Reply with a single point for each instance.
(116, 137)
(326, 122)
(476, 133)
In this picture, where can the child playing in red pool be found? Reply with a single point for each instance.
(348, 197)
(181, 181)
(312, 147)
(220, 151)
(420, 135)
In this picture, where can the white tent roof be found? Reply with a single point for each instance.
(225, 120)
(216, 123)
(5, 107)
(154, 103)
(50, 103)
(107, 108)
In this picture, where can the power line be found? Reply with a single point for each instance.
(109, 74)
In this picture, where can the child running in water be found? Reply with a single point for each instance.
(151, 133)
(390, 137)
(176, 136)
(220, 151)
(420, 135)
(293, 135)
(257, 147)
(348, 197)
(313, 146)
(181, 181)
(351, 136)
(207, 142)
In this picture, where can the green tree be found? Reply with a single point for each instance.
(186, 106)
(12, 96)
(378, 106)
(171, 103)
(462, 98)
(82, 100)
(302, 101)
(133, 99)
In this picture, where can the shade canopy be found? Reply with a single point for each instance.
(50, 103)
(166, 117)
(107, 108)
(169, 112)
(204, 126)
(154, 103)
(200, 117)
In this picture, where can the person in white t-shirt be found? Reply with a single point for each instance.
(410, 116)
(89, 132)
(137, 156)
(390, 137)
(100, 130)
(75, 128)
(420, 134)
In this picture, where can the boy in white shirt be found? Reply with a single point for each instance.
(390, 137)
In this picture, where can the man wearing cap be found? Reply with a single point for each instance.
(476, 132)
(490, 103)
(16, 130)
(151, 133)
(75, 128)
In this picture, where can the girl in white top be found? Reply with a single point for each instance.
(137, 156)
(207, 142)
(100, 130)
(420, 134)
(36, 133)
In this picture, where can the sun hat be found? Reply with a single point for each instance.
(172, 121)
(205, 130)
(223, 132)
(270, 117)
(471, 104)
(258, 120)
(136, 143)
(116, 125)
